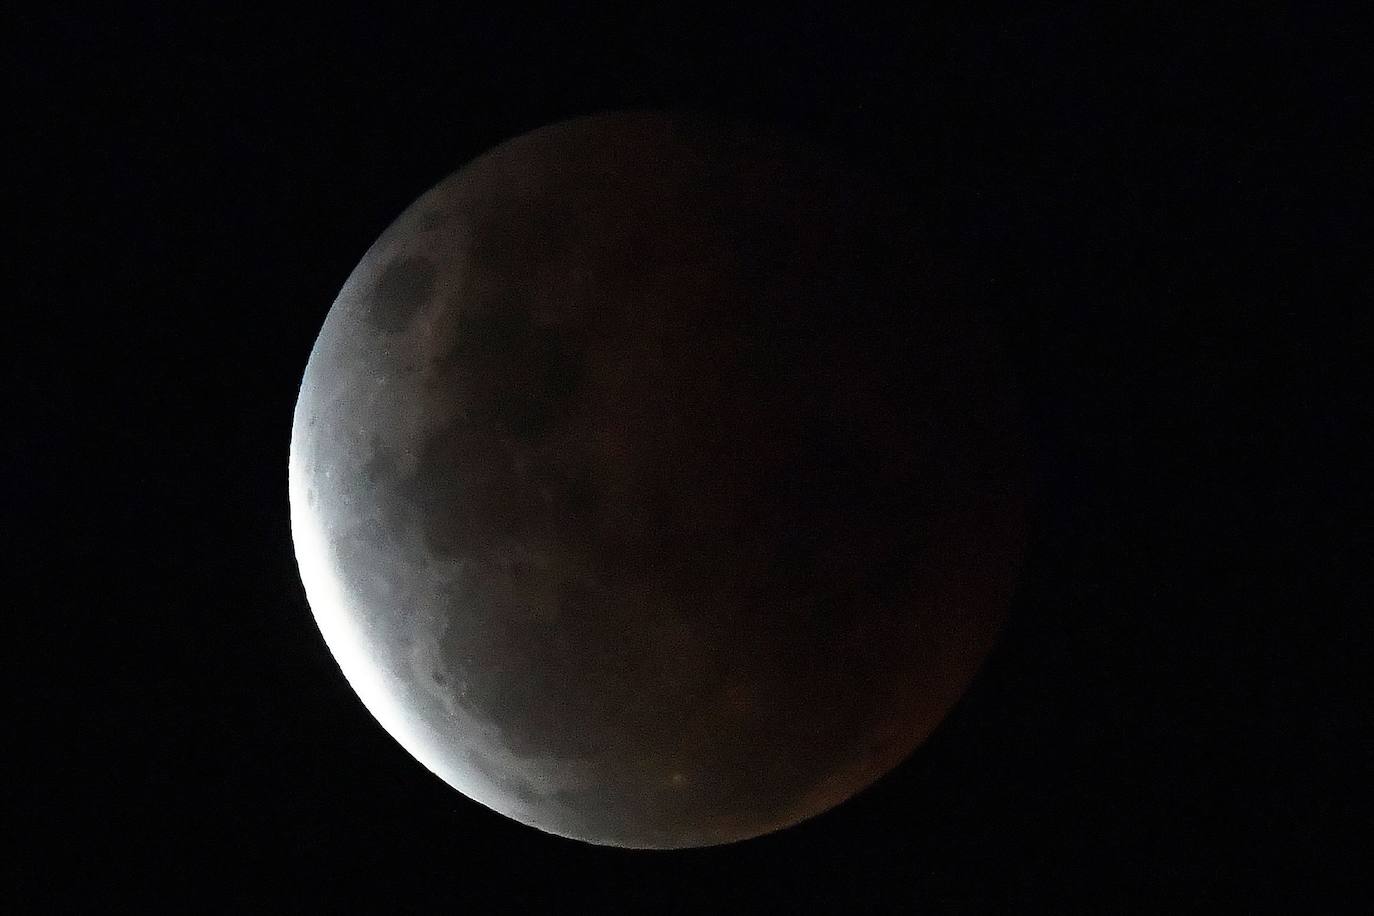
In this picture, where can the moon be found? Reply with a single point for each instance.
(654, 482)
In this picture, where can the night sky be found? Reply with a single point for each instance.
(1160, 208)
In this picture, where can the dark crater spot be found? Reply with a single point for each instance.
(525, 794)
(381, 467)
(405, 286)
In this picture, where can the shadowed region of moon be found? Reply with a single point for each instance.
(403, 288)
(654, 484)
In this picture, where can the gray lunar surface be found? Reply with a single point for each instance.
(652, 485)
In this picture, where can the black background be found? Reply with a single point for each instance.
(1160, 205)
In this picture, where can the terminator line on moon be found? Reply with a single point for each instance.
(653, 484)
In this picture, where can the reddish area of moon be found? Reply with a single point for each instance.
(654, 483)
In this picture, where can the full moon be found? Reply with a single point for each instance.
(657, 483)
